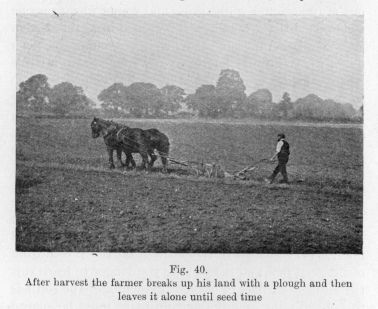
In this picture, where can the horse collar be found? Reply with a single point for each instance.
(119, 131)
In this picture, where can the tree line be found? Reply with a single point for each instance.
(36, 95)
(226, 99)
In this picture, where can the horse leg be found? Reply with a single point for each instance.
(144, 159)
(163, 151)
(130, 159)
(164, 161)
(119, 156)
(153, 158)
(110, 153)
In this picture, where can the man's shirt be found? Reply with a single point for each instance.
(279, 145)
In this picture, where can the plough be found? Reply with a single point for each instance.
(213, 170)
(242, 173)
(201, 168)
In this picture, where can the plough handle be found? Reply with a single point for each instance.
(250, 167)
(177, 162)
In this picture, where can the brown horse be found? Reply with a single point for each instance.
(108, 130)
(131, 140)
(153, 139)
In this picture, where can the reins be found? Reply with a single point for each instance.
(106, 125)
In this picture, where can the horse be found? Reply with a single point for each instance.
(154, 139)
(132, 140)
(108, 130)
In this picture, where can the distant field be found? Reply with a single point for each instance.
(249, 121)
(67, 200)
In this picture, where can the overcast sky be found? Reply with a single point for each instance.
(298, 54)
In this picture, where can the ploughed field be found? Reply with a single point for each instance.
(68, 200)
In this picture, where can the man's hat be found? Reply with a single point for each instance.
(281, 135)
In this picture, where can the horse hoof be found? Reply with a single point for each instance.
(111, 166)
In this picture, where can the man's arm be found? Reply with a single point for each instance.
(278, 149)
(274, 157)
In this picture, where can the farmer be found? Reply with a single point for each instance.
(282, 154)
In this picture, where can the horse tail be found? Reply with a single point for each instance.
(163, 146)
(163, 150)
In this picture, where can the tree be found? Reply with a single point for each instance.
(260, 103)
(173, 97)
(285, 106)
(359, 114)
(21, 103)
(230, 90)
(113, 98)
(204, 101)
(143, 98)
(33, 94)
(91, 103)
(336, 110)
(65, 98)
(314, 107)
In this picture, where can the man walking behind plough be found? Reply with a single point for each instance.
(282, 154)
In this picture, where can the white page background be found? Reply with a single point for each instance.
(16, 267)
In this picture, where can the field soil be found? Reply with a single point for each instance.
(68, 200)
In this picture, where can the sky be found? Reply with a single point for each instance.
(298, 54)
